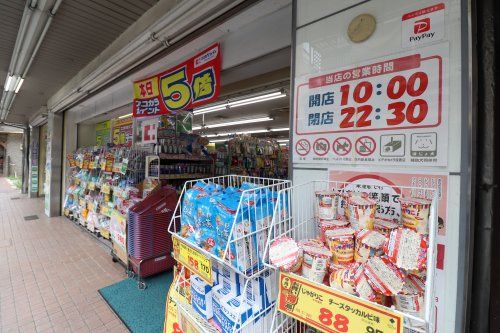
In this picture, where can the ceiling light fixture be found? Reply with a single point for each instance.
(219, 140)
(7, 83)
(283, 140)
(19, 84)
(235, 103)
(125, 116)
(246, 132)
(233, 123)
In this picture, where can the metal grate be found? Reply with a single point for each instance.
(31, 217)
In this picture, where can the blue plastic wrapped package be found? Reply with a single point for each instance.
(261, 221)
(205, 223)
(241, 250)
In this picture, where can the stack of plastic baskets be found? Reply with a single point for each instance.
(149, 243)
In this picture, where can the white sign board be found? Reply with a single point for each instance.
(149, 131)
(423, 26)
(388, 111)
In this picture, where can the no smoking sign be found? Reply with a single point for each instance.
(303, 147)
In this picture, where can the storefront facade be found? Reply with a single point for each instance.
(379, 95)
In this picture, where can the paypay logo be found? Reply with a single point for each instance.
(422, 25)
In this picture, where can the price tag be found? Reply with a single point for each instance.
(190, 257)
(332, 311)
(171, 313)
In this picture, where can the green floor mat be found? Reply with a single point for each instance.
(142, 311)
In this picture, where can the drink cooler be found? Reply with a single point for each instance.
(149, 243)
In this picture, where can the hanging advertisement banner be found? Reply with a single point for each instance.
(103, 133)
(123, 132)
(429, 179)
(190, 84)
(388, 111)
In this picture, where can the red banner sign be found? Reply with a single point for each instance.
(190, 84)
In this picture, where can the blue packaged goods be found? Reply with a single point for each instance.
(201, 297)
(230, 313)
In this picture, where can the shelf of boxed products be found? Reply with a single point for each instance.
(227, 219)
(184, 157)
(354, 257)
(232, 304)
(183, 176)
(220, 229)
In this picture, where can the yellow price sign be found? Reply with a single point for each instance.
(332, 311)
(171, 324)
(193, 259)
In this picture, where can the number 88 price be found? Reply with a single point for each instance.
(340, 322)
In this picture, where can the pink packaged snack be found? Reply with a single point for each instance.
(343, 279)
(341, 245)
(383, 276)
(326, 204)
(369, 243)
(314, 265)
(411, 298)
(385, 226)
(415, 214)
(285, 254)
(325, 225)
(361, 211)
(407, 249)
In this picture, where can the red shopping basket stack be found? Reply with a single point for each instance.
(149, 243)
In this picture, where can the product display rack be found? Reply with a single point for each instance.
(301, 223)
(256, 319)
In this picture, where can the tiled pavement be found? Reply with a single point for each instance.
(50, 272)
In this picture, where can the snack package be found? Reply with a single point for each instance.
(201, 297)
(343, 279)
(326, 204)
(341, 245)
(315, 261)
(385, 226)
(362, 287)
(285, 254)
(415, 214)
(325, 225)
(361, 211)
(407, 249)
(261, 221)
(411, 298)
(383, 276)
(369, 243)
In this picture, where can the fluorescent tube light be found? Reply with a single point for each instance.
(283, 140)
(125, 116)
(241, 102)
(246, 132)
(282, 129)
(219, 140)
(283, 144)
(233, 123)
(8, 82)
(19, 84)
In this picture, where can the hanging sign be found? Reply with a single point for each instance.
(103, 133)
(190, 84)
(389, 111)
(331, 311)
(149, 131)
(123, 132)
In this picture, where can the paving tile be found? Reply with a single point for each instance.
(52, 273)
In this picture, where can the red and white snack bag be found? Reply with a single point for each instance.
(407, 249)
(384, 277)
(411, 298)
(325, 225)
(285, 254)
(341, 245)
(363, 288)
(310, 242)
(314, 265)
(326, 204)
(369, 243)
(415, 214)
(361, 211)
(343, 279)
(385, 226)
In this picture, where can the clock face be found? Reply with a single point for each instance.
(361, 28)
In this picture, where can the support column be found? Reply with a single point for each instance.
(53, 166)
(33, 162)
(26, 153)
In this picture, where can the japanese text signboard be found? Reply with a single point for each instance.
(331, 311)
(123, 132)
(190, 84)
(194, 260)
(390, 111)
